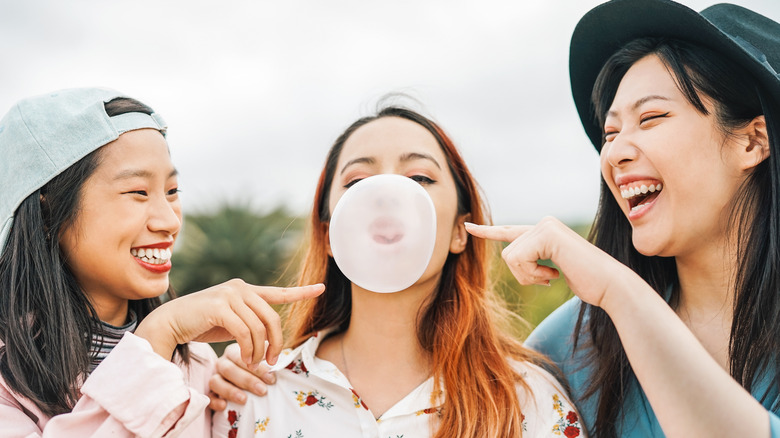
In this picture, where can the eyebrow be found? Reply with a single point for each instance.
(418, 156)
(127, 174)
(640, 102)
(366, 160)
(405, 157)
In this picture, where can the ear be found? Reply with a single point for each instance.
(459, 237)
(755, 147)
(326, 231)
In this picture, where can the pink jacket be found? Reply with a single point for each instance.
(132, 393)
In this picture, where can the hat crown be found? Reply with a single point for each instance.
(756, 34)
(741, 35)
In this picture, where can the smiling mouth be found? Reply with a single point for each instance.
(638, 195)
(386, 230)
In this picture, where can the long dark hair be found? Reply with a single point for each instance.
(754, 343)
(46, 319)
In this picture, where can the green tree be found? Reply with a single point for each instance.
(235, 242)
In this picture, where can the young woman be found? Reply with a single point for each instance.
(430, 360)
(677, 327)
(90, 212)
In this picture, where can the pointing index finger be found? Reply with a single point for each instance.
(503, 233)
(285, 295)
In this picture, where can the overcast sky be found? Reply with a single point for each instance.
(255, 92)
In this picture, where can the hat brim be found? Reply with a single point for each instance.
(607, 27)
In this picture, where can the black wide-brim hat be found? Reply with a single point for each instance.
(745, 37)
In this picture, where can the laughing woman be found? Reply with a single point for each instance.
(677, 327)
(90, 212)
(430, 360)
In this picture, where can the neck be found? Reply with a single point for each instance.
(384, 326)
(112, 312)
(706, 278)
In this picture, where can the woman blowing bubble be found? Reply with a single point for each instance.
(90, 212)
(429, 359)
(676, 329)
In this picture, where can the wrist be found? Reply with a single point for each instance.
(157, 335)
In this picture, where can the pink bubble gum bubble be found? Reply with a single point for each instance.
(382, 233)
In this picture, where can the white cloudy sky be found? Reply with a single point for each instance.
(256, 91)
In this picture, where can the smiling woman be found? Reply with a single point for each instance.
(675, 331)
(90, 211)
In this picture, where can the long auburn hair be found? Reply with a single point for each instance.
(46, 319)
(458, 327)
(754, 344)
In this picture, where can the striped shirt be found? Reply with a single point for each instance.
(105, 340)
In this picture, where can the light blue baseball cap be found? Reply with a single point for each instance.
(44, 135)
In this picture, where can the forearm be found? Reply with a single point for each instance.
(690, 393)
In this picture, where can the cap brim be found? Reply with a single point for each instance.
(606, 28)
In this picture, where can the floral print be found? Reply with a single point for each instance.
(569, 423)
(261, 425)
(312, 398)
(298, 367)
(233, 420)
(358, 400)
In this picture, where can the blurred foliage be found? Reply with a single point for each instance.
(262, 248)
(235, 242)
(531, 303)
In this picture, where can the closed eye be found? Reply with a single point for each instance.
(136, 192)
(652, 117)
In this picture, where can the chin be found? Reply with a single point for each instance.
(646, 246)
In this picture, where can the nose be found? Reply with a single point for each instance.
(165, 216)
(620, 151)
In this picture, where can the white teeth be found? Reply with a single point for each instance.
(641, 190)
(154, 256)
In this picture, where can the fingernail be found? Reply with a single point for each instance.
(270, 377)
(254, 366)
(469, 224)
(239, 397)
(259, 389)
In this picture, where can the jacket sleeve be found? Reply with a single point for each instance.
(774, 424)
(132, 393)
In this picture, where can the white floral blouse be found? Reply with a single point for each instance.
(313, 399)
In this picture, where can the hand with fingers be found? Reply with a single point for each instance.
(588, 270)
(234, 376)
(227, 311)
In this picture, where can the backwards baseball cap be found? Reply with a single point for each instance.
(42, 136)
(747, 38)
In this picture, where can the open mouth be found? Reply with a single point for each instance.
(639, 193)
(386, 230)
